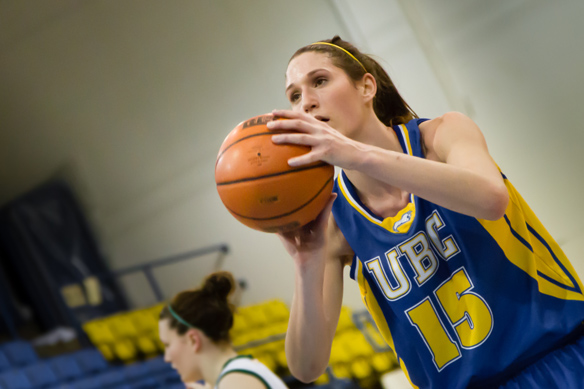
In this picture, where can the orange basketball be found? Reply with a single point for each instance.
(260, 189)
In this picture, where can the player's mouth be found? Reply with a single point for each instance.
(321, 118)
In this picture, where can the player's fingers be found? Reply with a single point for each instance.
(299, 124)
(287, 236)
(294, 139)
(304, 159)
(284, 113)
(288, 114)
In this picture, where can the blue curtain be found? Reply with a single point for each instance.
(47, 244)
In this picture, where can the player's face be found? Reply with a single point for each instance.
(178, 352)
(316, 86)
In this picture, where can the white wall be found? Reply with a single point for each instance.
(131, 100)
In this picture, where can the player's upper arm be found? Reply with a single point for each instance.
(238, 380)
(457, 140)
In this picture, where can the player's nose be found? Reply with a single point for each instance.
(309, 102)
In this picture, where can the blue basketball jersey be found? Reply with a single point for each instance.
(462, 301)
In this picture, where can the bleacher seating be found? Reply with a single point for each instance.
(66, 368)
(128, 353)
(14, 379)
(40, 375)
(4, 362)
(19, 353)
(90, 361)
(83, 369)
(259, 330)
(127, 336)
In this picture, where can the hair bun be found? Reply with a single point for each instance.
(219, 284)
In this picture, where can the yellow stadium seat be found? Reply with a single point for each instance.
(281, 359)
(341, 370)
(240, 323)
(356, 343)
(339, 353)
(381, 362)
(274, 329)
(146, 345)
(125, 350)
(261, 333)
(276, 311)
(242, 339)
(106, 351)
(345, 320)
(361, 369)
(255, 316)
(322, 380)
(281, 327)
(143, 321)
(273, 347)
(98, 332)
(122, 327)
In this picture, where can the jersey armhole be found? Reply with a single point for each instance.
(353, 269)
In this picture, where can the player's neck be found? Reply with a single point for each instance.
(372, 131)
(381, 198)
(215, 362)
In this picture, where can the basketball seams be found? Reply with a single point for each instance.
(303, 168)
(289, 212)
(248, 137)
(295, 198)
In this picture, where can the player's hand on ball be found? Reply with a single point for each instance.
(328, 145)
(309, 240)
(258, 186)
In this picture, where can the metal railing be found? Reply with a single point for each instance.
(147, 267)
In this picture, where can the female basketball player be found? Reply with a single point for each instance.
(194, 328)
(463, 281)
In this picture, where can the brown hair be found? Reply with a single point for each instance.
(388, 104)
(206, 308)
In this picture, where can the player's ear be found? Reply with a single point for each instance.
(194, 338)
(368, 86)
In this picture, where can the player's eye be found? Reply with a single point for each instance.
(294, 97)
(320, 81)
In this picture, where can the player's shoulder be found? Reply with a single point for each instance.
(440, 133)
(241, 380)
(447, 120)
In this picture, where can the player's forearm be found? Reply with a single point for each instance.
(452, 187)
(308, 339)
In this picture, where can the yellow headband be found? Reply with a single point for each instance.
(339, 47)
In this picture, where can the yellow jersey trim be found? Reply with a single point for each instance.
(377, 314)
(531, 248)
